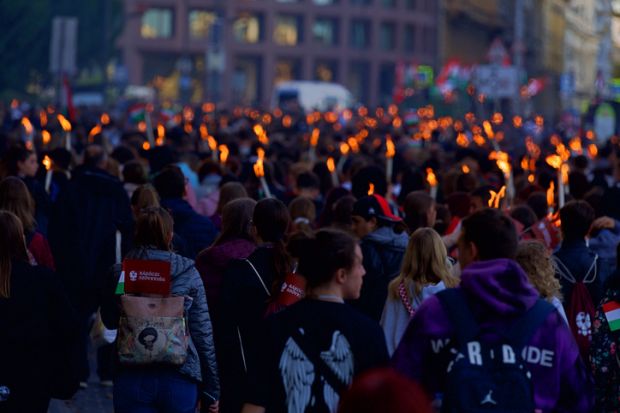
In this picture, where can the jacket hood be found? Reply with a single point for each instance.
(498, 285)
(388, 238)
(178, 264)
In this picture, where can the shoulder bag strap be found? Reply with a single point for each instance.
(404, 297)
(259, 278)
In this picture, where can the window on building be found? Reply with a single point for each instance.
(360, 34)
(326, 70)
(287, 69)
(358, 79)
(247, 28)
(386, 83)
(387, 36)
(246, 80)
(428, 40)
(200, 23)
(325, 31)
(409, 38)
(157, 24)
(287, 30)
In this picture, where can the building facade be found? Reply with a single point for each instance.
(235, 51)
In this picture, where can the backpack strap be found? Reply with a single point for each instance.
(562, 270)
(522, 330)
(404, 297)
(454, 302)
(259, 277)
(592, 270)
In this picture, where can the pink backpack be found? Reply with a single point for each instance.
(580, 312)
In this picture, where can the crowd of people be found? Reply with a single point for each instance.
(321, 262)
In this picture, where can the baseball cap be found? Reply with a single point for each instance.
(374, 206)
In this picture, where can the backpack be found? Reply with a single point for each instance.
(485, 377)
(580, 312)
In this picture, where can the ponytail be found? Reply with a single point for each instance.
(154, 229)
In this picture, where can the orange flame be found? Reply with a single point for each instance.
(287, 121)
(43, 117)
(371, 189)
(344, 149)
(592, 150)
(531, 178)
(517, 122)
(331, 165)
(563, 152)
(260, 152)
(161, 134)
(105, 119)
(353, 145)
(46, 136)
(496, 197)
(479, 139)
(314, 138)
(461, 140)
(188, 128)
(259, 170)
(564, 172)
(260, 132)
(551, 194)
(208, 107)
(555, 161)
(497, 118)
(488, 129)
(590, 135)
(525, 165)
(146, 146)
(47, 162)
(224, 152)
(430, 177)
(142, 126)
(575, 145)
(465, 169)
(212, 143)
(94, 132)
(27, 125)
(390, 149)
(204, 132)
(502, 160)
(64, 123)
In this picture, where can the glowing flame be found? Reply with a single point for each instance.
(161, 134)
(540, 121)
(142, 126)
(266, 119)
(344, 149)
(259, 170)
(314, 138)
(555, 161)
(224, 152)
(105, 119)
(46, 136)
(465, 169)
(287, 121)
(188, 128)
(496, 197)
(592, 150)
(497, 118)
(212, 143)
(531, 178)
(47, 162)
(260, 132)
(146, 146)
(461, 140)
(353, 145)
(43, 118)
(575, 145)
(208, 107)
(525, 165)
(488, 129)
(502, 160)
(331, 165)
(563, 152)
(96, 130)
(390, 149)
(27, 125)
(590, 135)
(204, 132)
(430, 177)
(397, 122)
(564, 172)
(64, 123)
(517, 122)
(551, 194)
(479, 139)
(532, 148)
(260, 152)
(371, 188)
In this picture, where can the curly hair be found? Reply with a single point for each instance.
(535, 260)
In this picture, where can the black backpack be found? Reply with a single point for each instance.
(483, 377)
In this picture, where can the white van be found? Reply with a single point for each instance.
(311, 96)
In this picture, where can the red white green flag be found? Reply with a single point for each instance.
(612, 313)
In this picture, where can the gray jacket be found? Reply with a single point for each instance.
(200, 364)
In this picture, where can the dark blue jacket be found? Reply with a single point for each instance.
(82, 231)
(196, 230)
(578, 259)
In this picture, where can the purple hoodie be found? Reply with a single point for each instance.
(498, 290)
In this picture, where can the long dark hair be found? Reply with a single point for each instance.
(15, 154)
(236, 220)
(154, 229)
(15, 197)
(12, 247)
(271, 219)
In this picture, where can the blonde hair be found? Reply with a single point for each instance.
(424, 263)
(535, 260)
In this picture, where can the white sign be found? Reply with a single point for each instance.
(63, 45)
(497, 81)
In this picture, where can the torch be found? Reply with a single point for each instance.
(223, 154)
(66, 126)
(344, 151)
(331, 166)
(555, 161)
(550, 197)
(93, 132)
(432, 181)
(314, 141)
(503, 163)
(390, 152)
(47, 162)
(259, 171)
(28, 131)
(161, 134)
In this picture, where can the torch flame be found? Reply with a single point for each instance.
(575, 145)
(555, 161)
(146, 146)
(430, 177)
(564, 172)
(314, 138)
(371, 189)
(331, 165)
(479, 139)
(496, 197)
(465, 169)
(105, 119)
(261, 134)
(488, 129)
(287, 121)
(43, 117)
(212, 143)
(223, 153)
(517, 121)
(353, 145)
(502, 160)
(551, 194)
(161, 134)
(563, 152)
(47, 162)
(64, 123)
(592, 150)
(390, 149)
(204, 132)
(93, 132)
(259, 171)
(47, 137)
(260, 152)
(27, 125)
(461, 140)
(344, 149)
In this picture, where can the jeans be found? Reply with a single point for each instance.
(154, 391)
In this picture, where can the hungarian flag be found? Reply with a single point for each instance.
(136, 113)
(612, 313)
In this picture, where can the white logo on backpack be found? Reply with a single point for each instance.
(584, 324)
